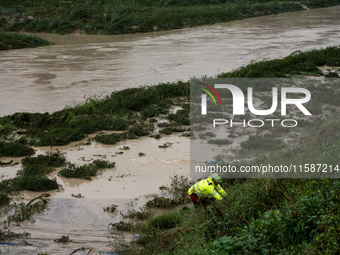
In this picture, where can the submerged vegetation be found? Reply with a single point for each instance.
(121, 111)
(33, 175)
(127, 113)
(85, 171)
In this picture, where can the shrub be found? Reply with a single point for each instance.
(265, 142)
(122, 226)
(4, 199)
(166, 221)
(51, 159)
(60, 136)
(220, 141)
(85, 171)
(36, 184)
(162, 202)
(15, 149)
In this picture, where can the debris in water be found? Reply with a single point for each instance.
(63, 239)
(77, 196)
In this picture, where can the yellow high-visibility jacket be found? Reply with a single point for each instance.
(206, 188)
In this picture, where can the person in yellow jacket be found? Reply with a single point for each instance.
(209, 187)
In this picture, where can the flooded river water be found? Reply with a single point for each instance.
(49, 78)
(79, 66)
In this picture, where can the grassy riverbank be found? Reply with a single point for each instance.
(131, 16)
(265, 216)
(142, 111)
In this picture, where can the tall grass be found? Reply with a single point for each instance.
(298, 63)
(259, 216)
(130, 16)
(85, 171)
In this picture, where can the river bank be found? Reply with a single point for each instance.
(47, 79)
(137, 16)
(127, 17)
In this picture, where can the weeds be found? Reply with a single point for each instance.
(15, 149)
(166, 221)
(143, 214)
(122, 226)
(173, 195)
(162, 202)
(23, 212)
(165, 145)
(111, 209)
(116, 17)
(9, 41)
(266, 142)
(4, 199)
(220, 141)
(32, 176)
(85, 171)
(301, 63)
(6, 234)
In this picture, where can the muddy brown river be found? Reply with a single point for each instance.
(80, 66)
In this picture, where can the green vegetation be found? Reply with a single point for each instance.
(220, 141)
(162, 202)
(33, 174)
(4, 199)
(85, 171)
(143, 214)
(266, 142)
(111, 209)
(128, 16)
(121, 111)
(122, 226)
(10, 41)
(259, 216)
(24, 212)
(298, 63)
(172, 196)
(15, 149)
(131, 16)
(6, 235)
(263, 216)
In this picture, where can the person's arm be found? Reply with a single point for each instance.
(221, 191)
(191, 190)
(216, 194)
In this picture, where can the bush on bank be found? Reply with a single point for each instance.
(9, 41)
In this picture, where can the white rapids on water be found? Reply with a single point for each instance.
(50, 78)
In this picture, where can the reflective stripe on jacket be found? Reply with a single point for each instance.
(206, 188)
